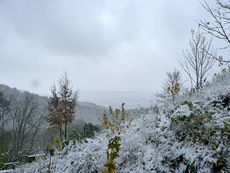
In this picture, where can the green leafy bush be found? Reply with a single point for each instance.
(75, 137)
(89, 130)
(112, 153)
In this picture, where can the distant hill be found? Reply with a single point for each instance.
(85, 111)
(132, 99)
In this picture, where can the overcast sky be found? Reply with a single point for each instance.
(112, 45)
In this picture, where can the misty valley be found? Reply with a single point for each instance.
(114, 86)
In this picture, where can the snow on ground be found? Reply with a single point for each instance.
(190, 134)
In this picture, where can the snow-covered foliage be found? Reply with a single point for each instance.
(191, 134)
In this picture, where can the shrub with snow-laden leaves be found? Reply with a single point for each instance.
(191, 134)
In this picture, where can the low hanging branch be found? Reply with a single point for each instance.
(219, 58)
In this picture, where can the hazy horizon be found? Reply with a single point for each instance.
(101, 45)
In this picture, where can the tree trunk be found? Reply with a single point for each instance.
(65, 131)
(60, 134)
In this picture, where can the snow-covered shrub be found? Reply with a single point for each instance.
(190, 135)
(191, 122)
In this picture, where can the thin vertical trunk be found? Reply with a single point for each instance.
(65, 131)
(60, 134)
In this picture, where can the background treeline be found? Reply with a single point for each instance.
(24, 129)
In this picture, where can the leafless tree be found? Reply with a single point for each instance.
(173, 84)
(219, 26)
(62, 106)
(4, 109)
(198, 59)
(171, 87)
(26, 119)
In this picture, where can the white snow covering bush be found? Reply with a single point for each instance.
(156, 143)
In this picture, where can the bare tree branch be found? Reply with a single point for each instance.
(198, 60)
(219, 27)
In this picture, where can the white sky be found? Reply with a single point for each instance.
(115, 45)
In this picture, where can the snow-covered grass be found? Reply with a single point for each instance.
(190, 134)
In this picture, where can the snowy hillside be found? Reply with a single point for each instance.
(85, 111)
(190, 134)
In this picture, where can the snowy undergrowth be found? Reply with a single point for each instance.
(189, 135)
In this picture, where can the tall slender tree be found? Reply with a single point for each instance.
(54, 117)
(198, 59)
(61, 106)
